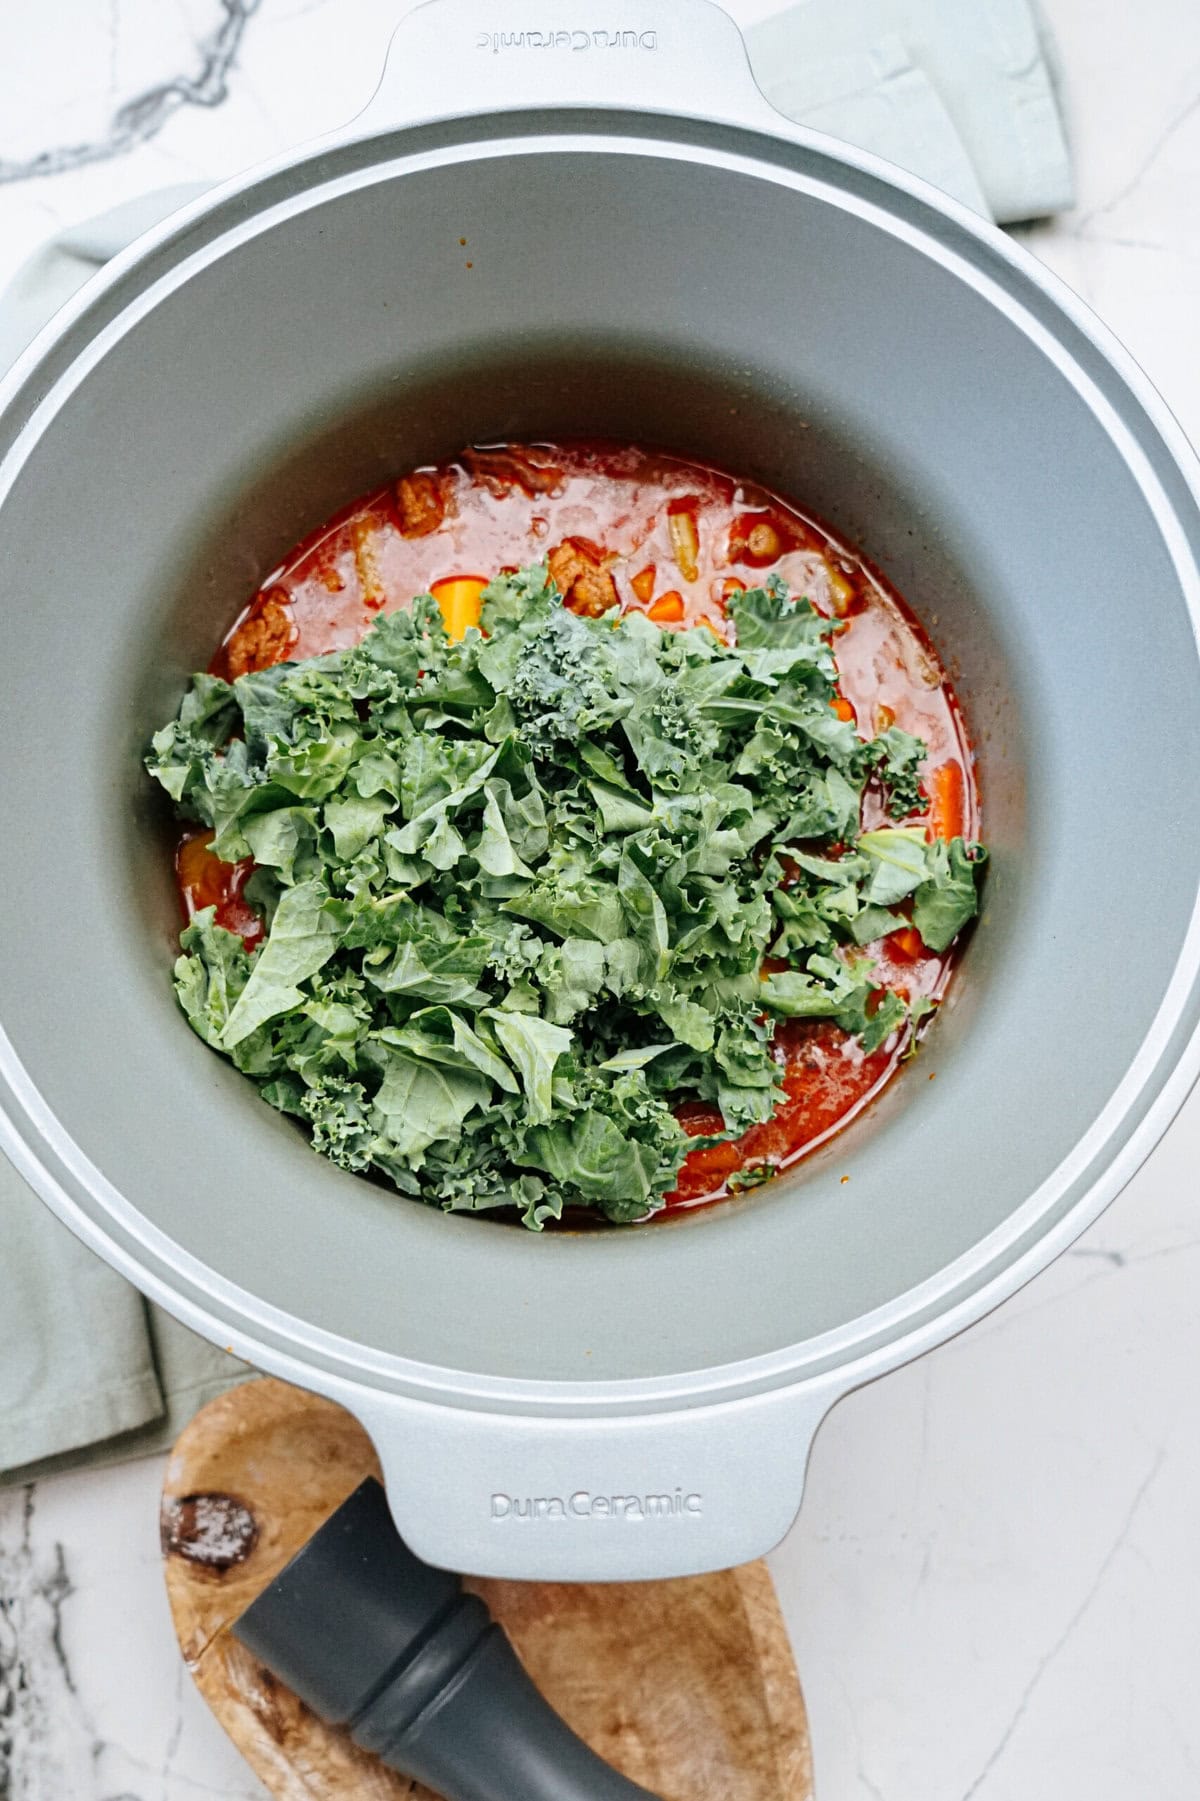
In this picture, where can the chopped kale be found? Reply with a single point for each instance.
(521, 889)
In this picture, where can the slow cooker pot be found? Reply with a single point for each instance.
(650, 252)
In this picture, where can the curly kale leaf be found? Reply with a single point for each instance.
(521, 890)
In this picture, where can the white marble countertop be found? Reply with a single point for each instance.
(992, 1587)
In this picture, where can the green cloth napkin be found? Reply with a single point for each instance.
(90, 1372)
(961, 94)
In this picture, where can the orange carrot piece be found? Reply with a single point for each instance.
(202, 876)
(947, 793)
(643, 584)
(458, 599)
(668, 608)
(843, 709)
(906, 944)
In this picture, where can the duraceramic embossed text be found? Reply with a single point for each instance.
(496, 41)
(670, 1504)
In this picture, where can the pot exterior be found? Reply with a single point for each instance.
(784, 310)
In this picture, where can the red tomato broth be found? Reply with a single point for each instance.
(205, 881)
(673, 539)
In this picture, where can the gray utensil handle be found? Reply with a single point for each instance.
(453, 57)
(376, 1641)
(495, 1739)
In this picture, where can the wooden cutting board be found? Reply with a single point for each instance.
(687, 1686)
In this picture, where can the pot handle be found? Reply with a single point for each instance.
(595, 1499)
(448, 58)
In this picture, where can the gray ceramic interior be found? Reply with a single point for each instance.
(752, 304)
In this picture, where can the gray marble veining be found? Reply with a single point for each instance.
(95, 1702)
(143, 116)
(46, 1742)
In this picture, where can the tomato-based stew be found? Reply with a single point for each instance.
(626, 531)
